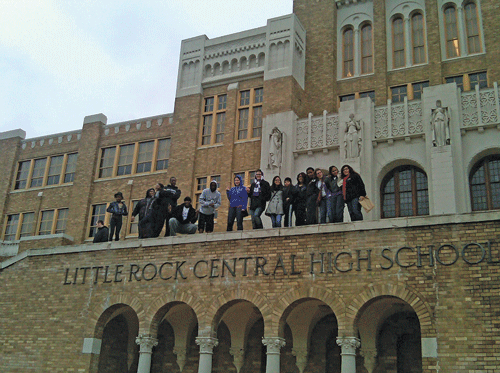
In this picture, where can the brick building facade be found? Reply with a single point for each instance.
(412, 288)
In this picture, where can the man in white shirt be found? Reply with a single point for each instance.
(183, 218)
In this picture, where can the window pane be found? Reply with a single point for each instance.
(22, 174)
(257, 121)
(98, 213)
(55, 169)
(398, 93)
(134, 227)
(207, 130)
(478, 79)
(370, 94)
(202, 183)
(494, 181)
(472, 28)
(389, 200)
(347, 98)
(46, 222)
(422, 194)
(163, 154)
(417, 24)
(243, 124)
(209, 104)
(418, 89)
(38, 172)
(62, 218)
(70, 168)
(125, 160)
(222, 102)
(245, 98)
(459, 80)
(107, 162)
(452, 45)
(221, 121)
(27, 226)
(145, 156)
(348, 49)
(399, 42)
(367, 50)
(11, 228)
(259, 96)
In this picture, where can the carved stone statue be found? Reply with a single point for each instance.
(275, 144)
(352, 139)
(440, 122)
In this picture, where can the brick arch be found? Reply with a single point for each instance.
(180, 296)
(214, 305)
(403, 292)
(95, 321)
(328, 296)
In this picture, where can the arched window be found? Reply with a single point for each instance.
(418, 38)
(348, 53)
(485, 184)
(451, 32)
(366, 49)
(404, 192)
(472, 28)
(398, 42)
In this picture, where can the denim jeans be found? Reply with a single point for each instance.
(256, 222)
(324, 210)
(276, 220)
(234, 213)
(354, 208)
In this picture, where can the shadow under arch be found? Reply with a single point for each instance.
(294, 294)
(386, 289)
(117, 328)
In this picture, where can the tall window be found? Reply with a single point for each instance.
(23, 171)
(52, 221)
(98, 213)
(398, 40)
(27, 225)
(107, 162)
(485, 184)
(250, 113)
(46, 221)
(38, 172)
(418, 38)
(348, 53)
(10, 233)
(62, 218)
(125, 159)
(163, 154)
(145, 156)
(472, 28)
(214, 120)
(55, 170)
(405, 193)
(451, 32)
(366, 49)
(69, 175)
(19, 225)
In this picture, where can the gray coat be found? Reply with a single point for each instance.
(275, 205)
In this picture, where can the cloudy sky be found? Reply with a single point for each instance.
(61, 60)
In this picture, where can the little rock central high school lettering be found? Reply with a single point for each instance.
(319, 263)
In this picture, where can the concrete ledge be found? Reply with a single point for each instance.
(396, 223)
(12, 134)
(96, 118)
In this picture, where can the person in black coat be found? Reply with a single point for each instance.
(300, 199)
(312, 192)
(353, 190)
(183, 218)
(173, 193)
(156, 211)
(259, 193)
(141, 209)
(102, 232)
(287, 201)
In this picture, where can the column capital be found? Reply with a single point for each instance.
(273, 344)
(146, 343)
(348, 345)
(207, 344)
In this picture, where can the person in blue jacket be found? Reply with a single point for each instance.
(238, 200)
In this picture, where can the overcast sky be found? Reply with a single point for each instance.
(61, 60)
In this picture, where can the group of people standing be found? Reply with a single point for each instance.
(316, 198)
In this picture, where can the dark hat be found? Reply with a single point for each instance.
(187, 199)
(119, 194)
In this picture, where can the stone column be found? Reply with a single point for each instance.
(357, 52)
(348, 353)
(273, 345)
(207, 345)
(408, 43)
(462, 37)
(146, 344)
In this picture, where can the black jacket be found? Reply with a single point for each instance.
(354, 187)
(177, 213)
(262, 198)
(102, 235)
(172, 194)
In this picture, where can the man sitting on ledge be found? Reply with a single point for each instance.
(184, 217)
